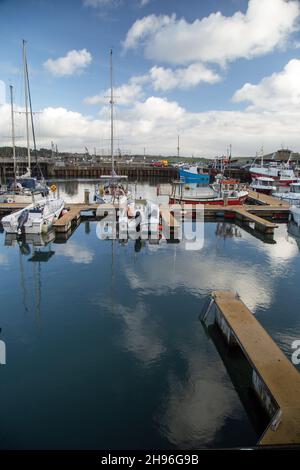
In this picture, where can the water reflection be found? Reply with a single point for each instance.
(294, 233)
(78, 253)
(36, 249)
(144, 357)
(201, 273)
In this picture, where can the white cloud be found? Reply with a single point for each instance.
(72, 63)
(146, 27)
(154, 122)
(168, 79)
(2, 92)
(159, 78)
(125, 94)
(266, 25)
(77, 253)
(276, 91)
(144, 2)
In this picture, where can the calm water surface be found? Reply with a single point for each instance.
(105, 349)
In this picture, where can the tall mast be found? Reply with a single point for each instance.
(178, 147)
(13, 127)
(112, 115)
(26, 104)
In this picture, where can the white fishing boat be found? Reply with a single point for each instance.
(292, 196)
(34, 219)
(264, 185)
(282, 173)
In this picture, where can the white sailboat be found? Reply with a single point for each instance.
(114, 188)
(43, 209)
(22, 189)
(139, 217)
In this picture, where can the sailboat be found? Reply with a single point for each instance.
(113, 188)
(141, 216)
(24, 188)
(44, 210)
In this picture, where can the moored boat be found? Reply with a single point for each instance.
(222, 192)
(35, 218)
(282, 173)
(113, 189)
(292, 196)
(263, 184)
(194, 174)
(20, 189)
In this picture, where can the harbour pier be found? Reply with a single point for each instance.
(275, 381)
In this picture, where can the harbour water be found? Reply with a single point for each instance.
(105, 349)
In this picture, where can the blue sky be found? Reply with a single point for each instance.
(230, 43)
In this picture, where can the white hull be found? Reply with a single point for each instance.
(21, 198)
(140, 218)
(295, 211)
(289, 197)
(41, 216)
(283, 176)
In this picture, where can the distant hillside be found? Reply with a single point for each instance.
(22, 152)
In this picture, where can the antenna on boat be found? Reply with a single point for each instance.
(13, 128)
(112, 115)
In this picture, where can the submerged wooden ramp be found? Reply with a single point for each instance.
(275, 380)
(260, 224)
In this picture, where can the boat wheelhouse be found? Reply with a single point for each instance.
(283, 174)
(292, 196)
(263, 184)
(194, 174)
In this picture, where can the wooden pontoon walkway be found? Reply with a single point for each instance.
(281, 378)
(265, 199)
(265, 206)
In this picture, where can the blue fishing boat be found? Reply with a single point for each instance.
(194, 175)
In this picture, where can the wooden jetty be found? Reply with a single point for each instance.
(265, 199)
(255, 214)
(275, 380)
